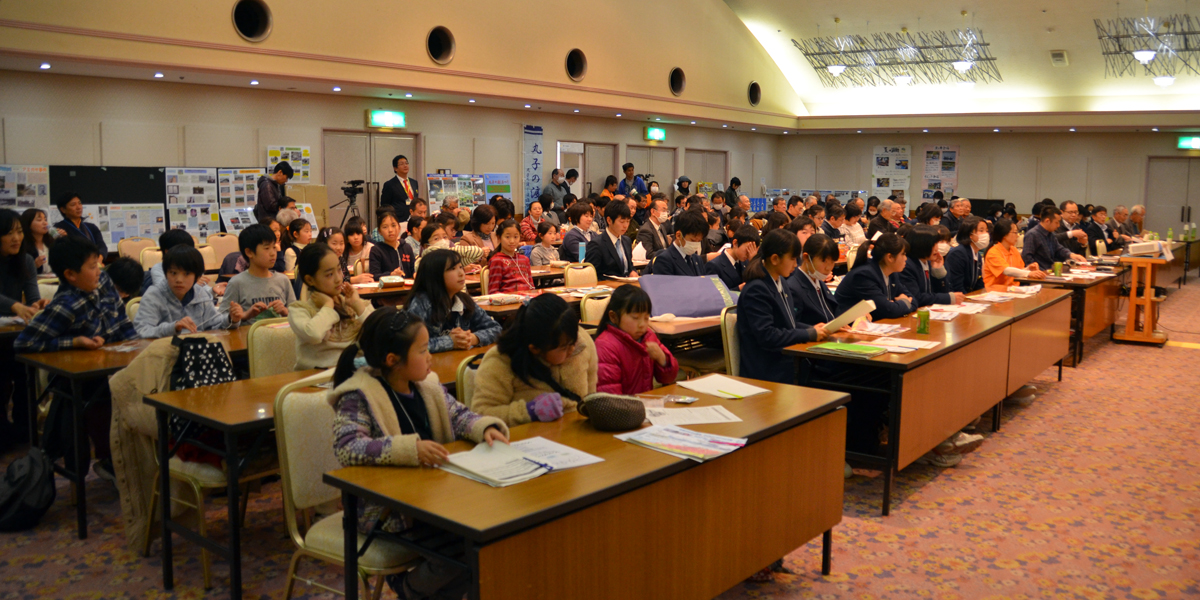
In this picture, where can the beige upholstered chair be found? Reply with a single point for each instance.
(132, 247)
(464, 381)
(358, 267)
(211, 261)
(47, 288)
(304, 434)
(222, 244)
(483, 280)
(579, 275)
(132, 307)
(729, 340)
(271, 347)
(593, 305)
(150, 257)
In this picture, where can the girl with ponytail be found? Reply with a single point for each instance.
(543, 365)
(394, 412)
(875, 276)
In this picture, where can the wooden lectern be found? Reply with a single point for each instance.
(1143, 270)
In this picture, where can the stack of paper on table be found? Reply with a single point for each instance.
(1027, 290)
(991, 297)
(878, 328)
(555, 454)
(498, 465)
(722, 387)
(851, 350)
(904, 345)
(683, 443)
(693, 415)
(942, 315)
(968, 309)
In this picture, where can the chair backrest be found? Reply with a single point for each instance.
(132, 247)
(729, 339)
(271, 346)
(47, 288)
(579, 275)
(211, 262)
(132, 307)
(464, 381)
(850, 254)
(358, 266)
(150, 257)
(483, 280)
(223, 244)
(304, 436)
(593, 305)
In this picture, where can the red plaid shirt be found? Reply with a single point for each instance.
(507, 274)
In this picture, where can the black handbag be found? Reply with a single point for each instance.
(27, 491)
(200, 363)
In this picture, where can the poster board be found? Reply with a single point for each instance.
(200, 220)
(890, 171)
(24, 186)
(941, 171)
(842, 196)
(238, 187)
(191, 185)
(236, 219)
(497, 184)
(468, 189)
(306, 212)
(119, 221)
(299, 157)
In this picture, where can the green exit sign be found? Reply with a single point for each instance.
(1189, 143)
(385, 118)
(656, 134)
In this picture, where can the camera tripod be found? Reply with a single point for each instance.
(352, 209)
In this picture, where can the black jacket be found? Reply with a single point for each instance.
(924, 290)
(729, 271)
(963, 273)
(602, 254)
(86, 231)
(831, 231)
(672, 262)
(1066, 240)
(393, 194)
(811, 306)
(766, 326)
(650, 241)
(866, 282)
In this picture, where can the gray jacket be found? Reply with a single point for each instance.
(160, 309)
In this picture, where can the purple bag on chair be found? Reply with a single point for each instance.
(685, 296)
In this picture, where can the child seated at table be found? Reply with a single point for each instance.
(258, 292)
(455, 322)
(685, 255)
(875, 276)
(385, 255)
(628, 352)
(542, 366)
(128, 275)
(294, 238)
(924, 273)
(329, 319)
(85, 314)
(813, 301)
(508, 268)
(179, 304)
(394, 412)
(766, 317)
(544, 252)
(169, 239)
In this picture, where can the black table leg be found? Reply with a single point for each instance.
(996, 416)
(827, 552)
(164, 497)
(31, 391)
(235, 523)
(893, 450)
(471, 555)
(82, 458)
(350, 543)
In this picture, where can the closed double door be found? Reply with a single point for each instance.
(1172, 192)
(367, 156)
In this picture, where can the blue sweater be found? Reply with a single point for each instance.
(160, 309)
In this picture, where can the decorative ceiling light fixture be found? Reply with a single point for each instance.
(1159, 47)
(1164, 80)
(1144, 56)
(904, 58)
(839, 68)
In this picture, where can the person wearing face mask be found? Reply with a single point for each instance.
(813, 301)
(611, 252)
(557, 188)
(1003, 261)
(654, 235)
(964, 263)
(729, 263)
(684, 256)
(924, 274)
(929, 214)
(872, 208)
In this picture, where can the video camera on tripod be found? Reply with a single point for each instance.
(351, 191)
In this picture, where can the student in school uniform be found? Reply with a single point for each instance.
(395, 413)
(580, 216)
(1003, 261)
(385, 256)
(964, 263)
(611, 253)
(455, 322)
(543, 365)
(813, 301)
(684, 255)
(766, 317)
(924, 274)
(631, 357)
(875, 276)
(731, 262)
(179, 304)
(330, 318)
(258, 292)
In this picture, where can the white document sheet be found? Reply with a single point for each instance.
(722, 387)
(693, 415)
(555, 454)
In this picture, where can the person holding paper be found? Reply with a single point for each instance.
(924, 274)
(1003, 261)
(395, 412)
(964, 263)
(875, 276)
(628, 352)
(813, 301)
(683, 256)
(611, 252)
(766, 317)
(543, 365)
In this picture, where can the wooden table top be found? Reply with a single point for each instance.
(11, 331)
(236, 406)
(106, 360)
(445, 364)
(962, 330)
(483, 513)
(671, 330)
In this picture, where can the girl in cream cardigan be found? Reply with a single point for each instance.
(330, 318)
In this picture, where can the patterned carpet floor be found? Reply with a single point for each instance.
(1091, 492)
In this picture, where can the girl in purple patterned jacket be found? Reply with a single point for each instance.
(395, 412)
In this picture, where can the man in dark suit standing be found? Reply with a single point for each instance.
(611, 253)
(399, 191)
(654, 235)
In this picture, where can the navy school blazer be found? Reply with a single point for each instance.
(811, 306)
(602, 254)
(729, 272)
(672, 262)
(963, 273)
(764, 330)
(923, 290)
(866, 282)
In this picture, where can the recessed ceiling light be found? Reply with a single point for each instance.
(785, 133)
(655, 118)
(45, 66)
(1153, 129)
(693, 122)
(472, 101)
(253, 82)
(1161, 81)
(724, 126)
(996, 130)
(577, 110)
(860, 131)
(753, 129)
(158, 75)
(925, 130)
(408, 95)
(337, 89)
(1072, 129)
(528, 106)
(618, 114)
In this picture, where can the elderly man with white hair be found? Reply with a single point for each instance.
(882, 221)
(1133, 226)
(959, 209)
(1120, 217)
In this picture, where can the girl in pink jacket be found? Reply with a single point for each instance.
(630, 355)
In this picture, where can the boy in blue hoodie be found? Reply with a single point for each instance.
(178, 304)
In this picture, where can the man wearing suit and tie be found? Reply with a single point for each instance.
(399, 191)
(655, 235)
(611, 253)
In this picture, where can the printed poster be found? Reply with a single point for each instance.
(24, 186)
(306, 211)
(842, 196)
(890, 171)
(941, 171)
(191, 185)
(120, 221)
(532, 162)
(468, 189)
(497, 184)
(237, 219)
(239, 187)
(198, 219)
(299, 157)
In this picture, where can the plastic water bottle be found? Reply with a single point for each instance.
(1170, 233)
(582, 250)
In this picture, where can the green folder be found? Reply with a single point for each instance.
(853, 350)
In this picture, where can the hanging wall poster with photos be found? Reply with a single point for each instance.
(200, 220)
(299, 157)
(191, 185)
(890, 172)
(24, 186)
(941, 171)
(237, 219)
(239, 187)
